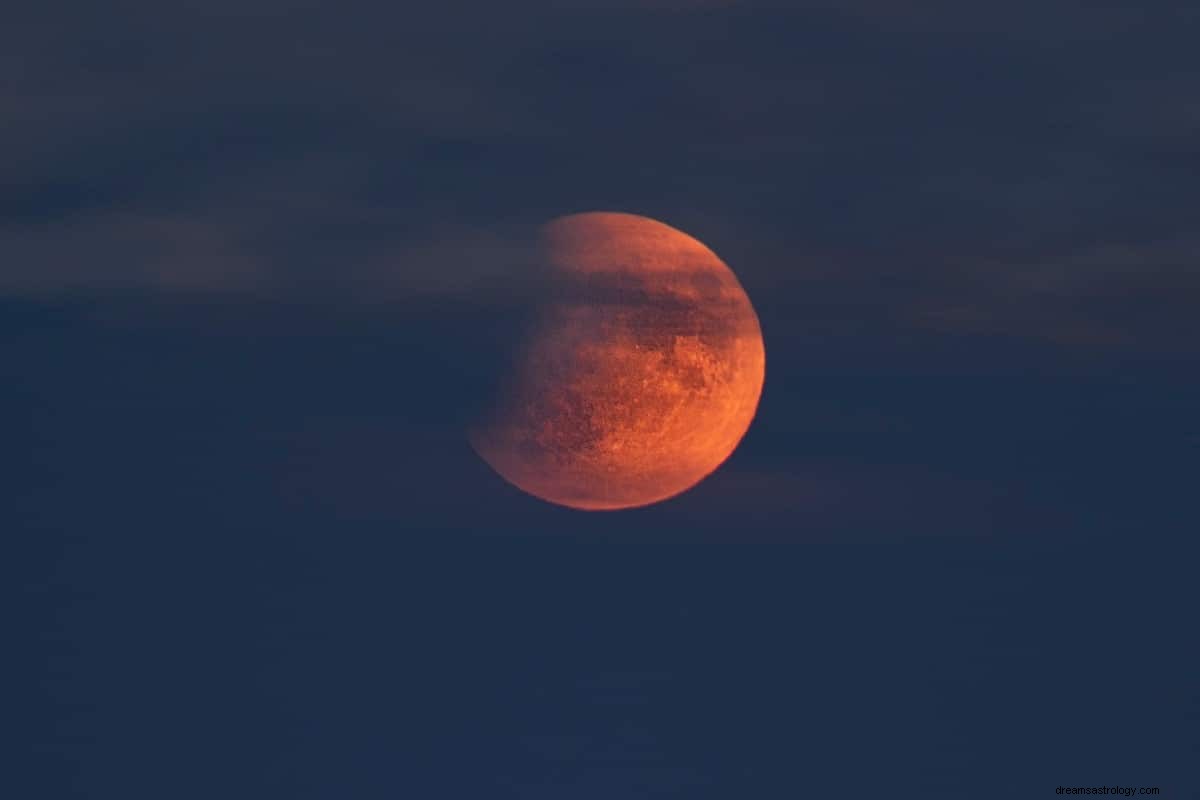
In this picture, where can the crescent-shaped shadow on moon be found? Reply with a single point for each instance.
(640, 374)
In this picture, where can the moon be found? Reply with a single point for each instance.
(640, 375)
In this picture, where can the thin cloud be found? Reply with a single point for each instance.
(1111, 293)
(116, 251)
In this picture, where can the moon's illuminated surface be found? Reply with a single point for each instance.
(641, 375)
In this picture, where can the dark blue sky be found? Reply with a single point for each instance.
(257, 260)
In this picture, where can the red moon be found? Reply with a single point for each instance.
(641, 375)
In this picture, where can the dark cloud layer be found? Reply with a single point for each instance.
(1009, 172)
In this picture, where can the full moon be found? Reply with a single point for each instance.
(641, 372)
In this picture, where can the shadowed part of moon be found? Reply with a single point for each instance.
(640, 375)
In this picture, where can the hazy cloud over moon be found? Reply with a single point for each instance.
(907, 171)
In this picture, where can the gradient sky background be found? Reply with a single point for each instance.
(254, 261)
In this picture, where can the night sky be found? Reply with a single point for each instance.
(258, 261)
